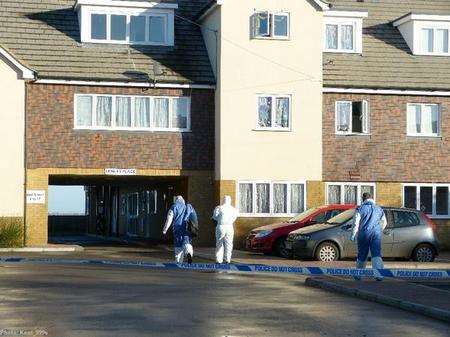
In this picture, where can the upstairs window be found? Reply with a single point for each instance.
(133, 29)
(352, 117)
(423, 120)
(425, 34)
(132, 113)
(435, 40)
(270, 25)
(340, 37)
(274, 112)
(343, 31)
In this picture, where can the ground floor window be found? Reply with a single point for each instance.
(348, 193)
(271, 198)
(432, 199)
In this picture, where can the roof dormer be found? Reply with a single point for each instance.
(126, 22)
(425, 34)
(343, 31)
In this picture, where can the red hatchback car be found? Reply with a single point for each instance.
(271, 239)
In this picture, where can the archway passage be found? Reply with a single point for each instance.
(116, 206)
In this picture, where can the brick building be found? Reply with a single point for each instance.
(118, 96)
(139, 101)
(395, 92)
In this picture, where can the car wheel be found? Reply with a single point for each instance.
(423, 253)
(280, 248)
(327, 252)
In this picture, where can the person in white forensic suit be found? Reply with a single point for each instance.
(224, 215)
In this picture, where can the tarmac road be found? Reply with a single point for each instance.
(93, 301)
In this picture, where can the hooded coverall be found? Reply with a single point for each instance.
(370, 221)
(177, 215)
(225, 215)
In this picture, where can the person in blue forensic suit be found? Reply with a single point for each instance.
(178, 214)
(369, 223)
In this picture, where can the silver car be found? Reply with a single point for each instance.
(409, 234)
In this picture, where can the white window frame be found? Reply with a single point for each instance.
(357, 34)
(166, 14)
(273, 113)
(271, 196)
(433, 27)
(366, 110)
(433, 135)
(271, 28)
(152, 128)
(434, 186)
(357, 184)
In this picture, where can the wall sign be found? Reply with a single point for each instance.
(35, 197)
(120, 172)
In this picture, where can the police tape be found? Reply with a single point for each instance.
(244, 268)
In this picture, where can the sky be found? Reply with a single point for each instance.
(66, 200)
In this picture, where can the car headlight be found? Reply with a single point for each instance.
(262, 234)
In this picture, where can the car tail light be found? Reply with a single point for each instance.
(429, 222)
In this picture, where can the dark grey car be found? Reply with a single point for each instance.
(409, 234)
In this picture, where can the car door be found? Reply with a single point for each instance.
(407, 231)
(387, 238)
(351, 247)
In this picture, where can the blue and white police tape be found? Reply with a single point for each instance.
(244, 268)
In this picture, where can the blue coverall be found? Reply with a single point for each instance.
(369, 224)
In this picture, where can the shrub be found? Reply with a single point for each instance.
(11, 232)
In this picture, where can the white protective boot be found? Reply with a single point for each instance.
(377, 263)
(360, 265)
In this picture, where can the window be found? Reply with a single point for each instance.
(405, 219)
(432, 199)
(348, 193)
(137, 28)
(343, 31)
(151, 202)
(132, 112)
(340, 37)
(118, 27)
(131, 29)
(352, 117)
(270, 25)
(98, 26)
(435, 40)
(274, 112)
(133, 205)
(271, 198)
(423, 120)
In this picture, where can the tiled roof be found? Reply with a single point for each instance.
(387, 61)
(44, 35)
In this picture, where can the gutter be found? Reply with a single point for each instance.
(210, 7)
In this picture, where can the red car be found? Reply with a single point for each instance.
(271, 238)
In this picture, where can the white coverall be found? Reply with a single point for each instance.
(225, 215)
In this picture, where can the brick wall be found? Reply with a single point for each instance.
(52, 141)
(387, 155)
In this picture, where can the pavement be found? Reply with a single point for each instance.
(431, 299)
(92, 301)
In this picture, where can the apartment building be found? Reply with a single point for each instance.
(284, 105)
(386, 122)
